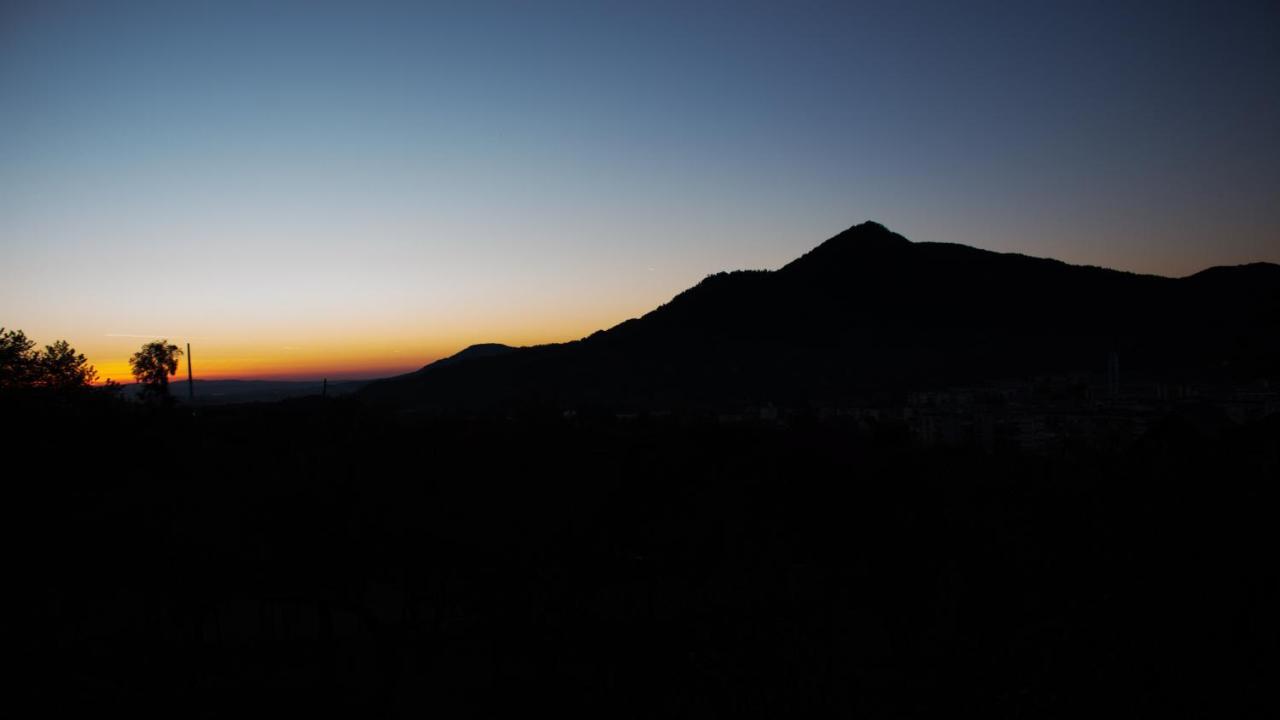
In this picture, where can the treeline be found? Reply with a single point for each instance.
(56, 367)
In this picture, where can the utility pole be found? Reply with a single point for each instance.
(191, 386)
(324, 389)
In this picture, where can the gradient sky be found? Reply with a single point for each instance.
(311, 189)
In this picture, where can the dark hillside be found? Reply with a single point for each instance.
(870, 311)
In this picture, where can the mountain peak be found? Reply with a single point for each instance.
(869, 233)
(865, 240)
(479, 350)
(868, 226)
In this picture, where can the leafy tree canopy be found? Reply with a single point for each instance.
(60, 366)
(57, 366)
(152, 366)
(16, 359)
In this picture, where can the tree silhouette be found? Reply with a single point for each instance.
(60, 367)
(57, 367)
(17, 361)
(152, 366)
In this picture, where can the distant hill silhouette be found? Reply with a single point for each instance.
(226, 392)
(870, 311)
(471, 352)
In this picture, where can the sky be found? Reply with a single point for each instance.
(302, 190)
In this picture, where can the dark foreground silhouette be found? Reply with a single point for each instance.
(225, 392)
(867, 484)
(319, 556)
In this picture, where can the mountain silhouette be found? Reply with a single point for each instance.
(469, 353)
(867, 312)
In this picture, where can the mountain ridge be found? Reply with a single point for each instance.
(869, 309)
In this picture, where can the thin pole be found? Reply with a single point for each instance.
(191, 386)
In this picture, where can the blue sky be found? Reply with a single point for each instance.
(376, 184)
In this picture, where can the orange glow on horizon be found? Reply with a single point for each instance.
(310, 344)
(366, 359)
(262, 366)
(120, 372)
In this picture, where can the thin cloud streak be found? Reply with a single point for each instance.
(162, 335)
